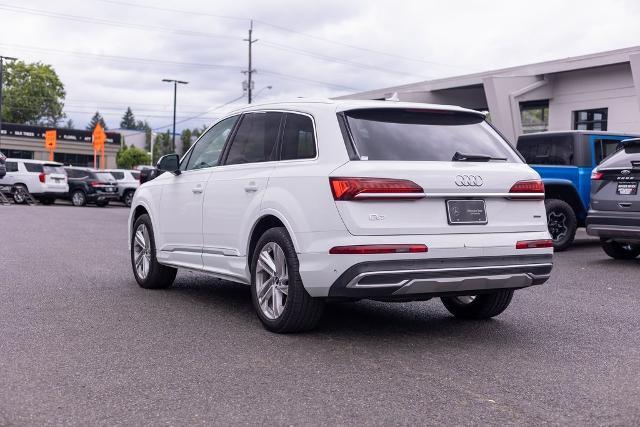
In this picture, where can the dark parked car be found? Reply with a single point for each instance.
(91, 186)
(614, 215)
(3, 166)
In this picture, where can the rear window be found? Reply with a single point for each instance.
(33, 167)
(624, 158)
(103, 176)
(547, 149)
(117, 175)
(135, 174)
(421, 135)
(49, 169)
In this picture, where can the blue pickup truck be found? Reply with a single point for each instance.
(565, 161)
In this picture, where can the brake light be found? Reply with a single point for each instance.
(96, 183)
(530, 189)
(42, 177)
(378, 249)
(374, 188)
(534, 244)
(596, 176)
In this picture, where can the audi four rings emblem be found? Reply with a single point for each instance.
(469, 180)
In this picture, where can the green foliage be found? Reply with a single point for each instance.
(33, 94)
(161, 145)
(128, 120)
(185, 138)
(69, 124)
(128, 158)
(97, 118)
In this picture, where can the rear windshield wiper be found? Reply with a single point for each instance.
(464, 157)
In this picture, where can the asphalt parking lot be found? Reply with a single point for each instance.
(81, 343)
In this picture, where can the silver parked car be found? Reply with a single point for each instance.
(128, 182)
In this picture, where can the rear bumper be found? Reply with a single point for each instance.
(447, 276)
(614, 224)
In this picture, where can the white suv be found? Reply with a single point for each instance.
(309, 201)
(44, 180)
(128, 182)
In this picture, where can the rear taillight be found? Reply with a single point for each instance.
(378, 249)
(596, 176)
(96, 183)
(530, 189)
(534, 244)
(42, 177)
(374, 188)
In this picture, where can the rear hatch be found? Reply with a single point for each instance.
(404, 179)
(54, 177)
(104, 183)
(614, 184)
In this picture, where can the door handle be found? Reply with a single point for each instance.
(197, 189)
(624, 204)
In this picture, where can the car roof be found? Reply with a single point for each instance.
(576, 132)
(40, 162)
(346, 105)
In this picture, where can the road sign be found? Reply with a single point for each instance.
(99, 138)
(50, 138)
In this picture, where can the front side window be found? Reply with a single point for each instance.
(605, 147)
(33, 167)
(590, 119)
(424, 135)
(298, 141)
(547, 149)
(208, 148)
(534, 116)
(255, 139)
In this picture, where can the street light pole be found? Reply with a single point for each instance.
(175, 97)
(2, 58)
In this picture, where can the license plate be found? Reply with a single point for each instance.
(627, 188)
(111, 190)
(460, 212)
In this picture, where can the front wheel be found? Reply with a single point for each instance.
(483, 306)
(20, 194)
(279, 297)
(562, 223)
(617, 250)
(149, 273)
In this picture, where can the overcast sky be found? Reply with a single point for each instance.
(111, 54)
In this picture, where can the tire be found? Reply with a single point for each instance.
(562, 223)
(128, 198)
(18, 193)
(102, 204)
(299, 311)
(617, 250)
(149, 274)
(483, 306)
(78, 198)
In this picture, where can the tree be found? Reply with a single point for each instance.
(185, 138)
(161, 145)
(33, 94)
(69, 124)
(128, 120)
(97, 118)
(130, 157)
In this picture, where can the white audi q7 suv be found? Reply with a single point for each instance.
(344, 200)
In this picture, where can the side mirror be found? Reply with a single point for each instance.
(169, 163)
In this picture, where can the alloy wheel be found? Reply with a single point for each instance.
(142, 251)
(466, 299)
(272, 280)
(77, 199)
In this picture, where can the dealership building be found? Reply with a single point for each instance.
(73, 146)
(600, 91)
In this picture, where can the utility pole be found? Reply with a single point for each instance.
(2, 58)
(250, 70)
(175, 96)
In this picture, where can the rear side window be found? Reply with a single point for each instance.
(49, 169)
(298, 140)
(255, 139)
(33, 167)
(118, 175)
(135, 174)
(547, 149)
(423, 135)
(12, 166)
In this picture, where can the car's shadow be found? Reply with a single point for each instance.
(368, 320)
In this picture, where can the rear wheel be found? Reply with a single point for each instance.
(562, 223)
(128, 198)
(148, 272)
(481, 306)
(78, 198)
(279, 297)
(617, 250)
(19, 194)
